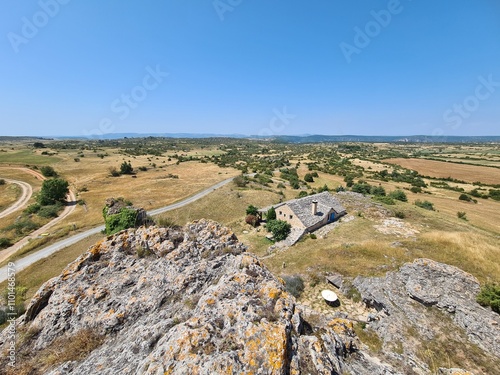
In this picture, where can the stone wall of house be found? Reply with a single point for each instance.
(286, 214)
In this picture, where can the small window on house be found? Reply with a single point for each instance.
(291, 216)
(280, 213)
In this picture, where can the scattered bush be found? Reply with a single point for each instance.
(33, 208)
(361, 187)
(385, 200)
(416, 189)
(23, 226)
(294, 285)
(114, 172)
(400, 214)
(143, 169)
(302, 194)
(462, 215)
(323, 188)
(252, 210)
(50, 211)
(494, 194)
(38, 145)
(4, 243)
(308, 177)
(252, 220)
(490, 296)
(279, 228)
(464, 197)
(377, 191)
(48, 171)
(398, 195)
(424, 204)
(240, 181)
(125, 219)
(2, 181)
(126, 168)
(312, 236)
(271, 214)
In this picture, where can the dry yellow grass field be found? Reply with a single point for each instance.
(432, 168)
(9, 193)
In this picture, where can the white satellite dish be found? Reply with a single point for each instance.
(329, 296)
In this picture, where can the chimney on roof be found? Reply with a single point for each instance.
(314, 207)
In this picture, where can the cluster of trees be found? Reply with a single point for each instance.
(280, 229)
(125, 168)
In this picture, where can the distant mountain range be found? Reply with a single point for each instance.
(317, 138)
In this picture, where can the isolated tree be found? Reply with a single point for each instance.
(53, 190)
(271, 214)
(279, 228)
(308, 177)
(126, 168)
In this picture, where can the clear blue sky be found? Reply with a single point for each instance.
(254, 67)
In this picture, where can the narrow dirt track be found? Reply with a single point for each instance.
(68, 209)
(27, 192)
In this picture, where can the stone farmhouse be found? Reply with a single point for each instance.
(309, 213)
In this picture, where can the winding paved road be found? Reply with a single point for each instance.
(22, 263)
(27, 192)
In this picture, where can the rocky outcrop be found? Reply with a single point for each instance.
(177, 301)
(426, 303)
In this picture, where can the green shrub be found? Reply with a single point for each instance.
(416, 189)
(279, 228)
(490, 296)
(385, 200)
(49, 211)
(462, 215)
(494, 194)
(2, 181)
(125, 219)
(398, 195)
(252, 210)
(23, 226)
(240, 181)
(400, 214)
(48, 171)
(294, 285)
(302, 194)
(32, 208)
(424, 204)
(377, 191)
(271, 214)
(4, 243)
(313, 236)
(362, 188)
(126, 168)
(308, 177)
(464, 197)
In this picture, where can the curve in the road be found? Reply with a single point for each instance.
(68, 209)
(26, 193)
(22, 263)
